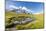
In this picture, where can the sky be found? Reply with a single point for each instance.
(34, 7)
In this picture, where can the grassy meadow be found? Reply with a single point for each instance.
(37, 24)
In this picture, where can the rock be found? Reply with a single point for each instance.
(22, 22)
(16, 22)
(26, 20)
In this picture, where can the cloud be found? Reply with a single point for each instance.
(14, 7)
(25, 8)
(11, 7)
(20, 7)
(29, 10)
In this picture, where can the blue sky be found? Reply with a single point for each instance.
(34, 7)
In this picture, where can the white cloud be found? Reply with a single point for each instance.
(29, 10)
(24, 8)
(14, 7)
(11, 7)
(20, 7)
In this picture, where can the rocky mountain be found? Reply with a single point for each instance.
(18, 10)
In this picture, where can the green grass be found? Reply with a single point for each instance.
(37, 24)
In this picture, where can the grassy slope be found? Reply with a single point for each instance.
(38, 23)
